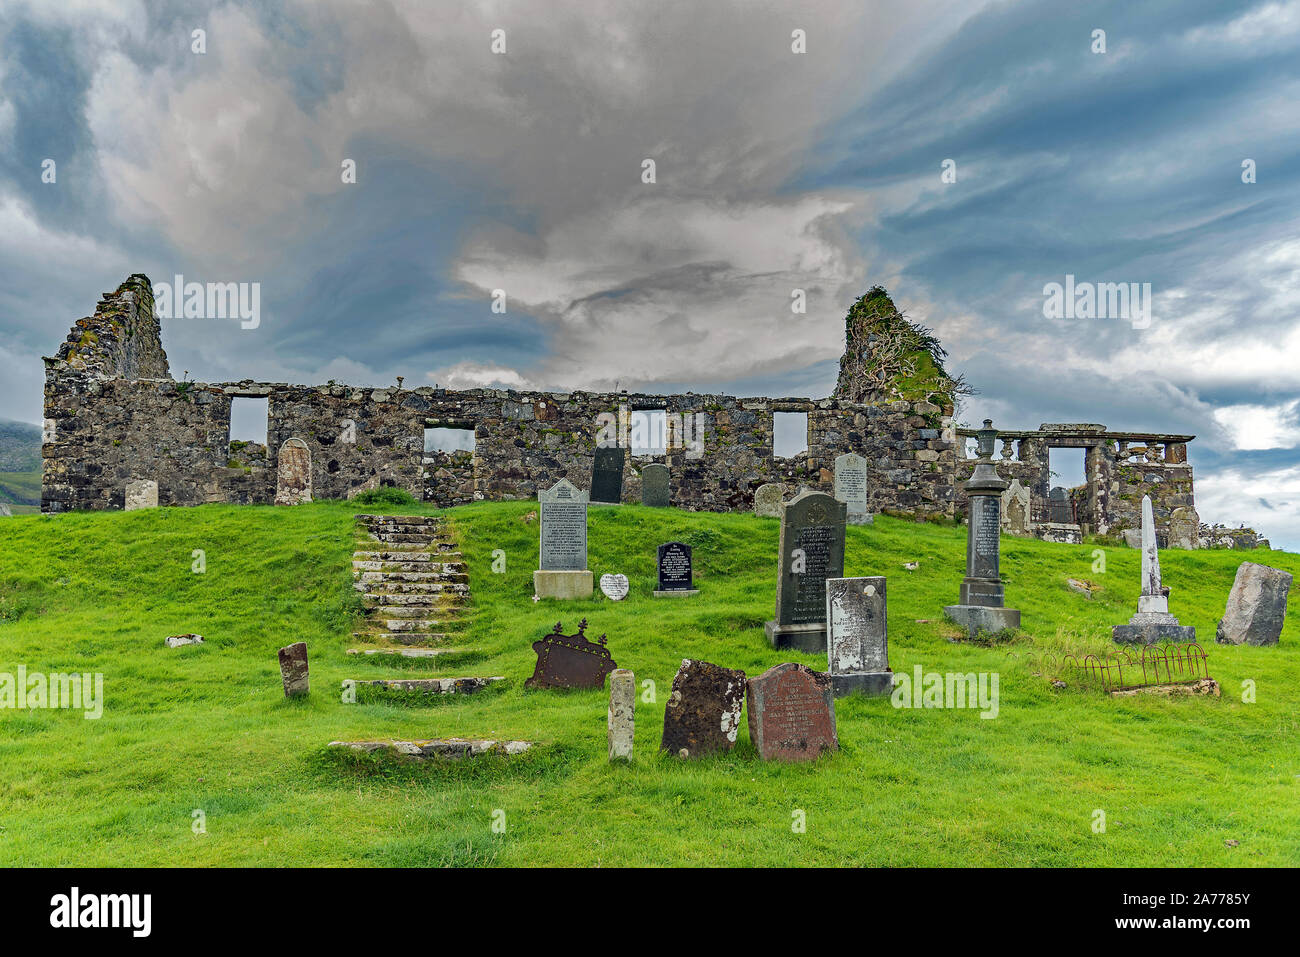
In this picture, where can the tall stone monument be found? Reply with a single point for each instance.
(563, 571)
(851, 486)
(857, 645)
(811, 551)
(982, 592)
(607, 476)
(1152, 623)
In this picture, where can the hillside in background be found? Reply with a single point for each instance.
(1192, 781)
(20, 447)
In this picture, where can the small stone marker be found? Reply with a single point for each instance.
(857, 642)
(1015, 509)
(176, 641)
(141, 493)
(791, 713)
(614, 587)
(293, 669)
(656, 486)
(982, 592)
(570, 661)
(4, 511)
(563, 571)
(426, 749)
(850, 486)
(607, 476)
(703, 713)
(293, 473)
(768, 499)
(621, 717)
(1256, 606)
(811, 551)
(1153, 622)
(676, 575)
(1184, 528)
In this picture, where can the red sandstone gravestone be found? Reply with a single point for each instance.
(791, 713)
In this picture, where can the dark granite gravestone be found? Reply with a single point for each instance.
(293, 669)
(570, 661)
(656, 490)
(791, 713)
(676, 575)
(607, 476)
(811, 551)
(857, 629)
(703, 713)
(1059, 506)
(982, 591)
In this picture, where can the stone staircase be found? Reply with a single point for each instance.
(412, 580)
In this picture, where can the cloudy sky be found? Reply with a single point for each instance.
(774, 170)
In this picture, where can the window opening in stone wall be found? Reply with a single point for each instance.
(1067, 472)
(448, 439)
(789, 434)
(648, 432)
(248, 418)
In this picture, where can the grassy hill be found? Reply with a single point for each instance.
(20, 447)
(207, 728)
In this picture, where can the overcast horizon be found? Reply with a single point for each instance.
(964, 155)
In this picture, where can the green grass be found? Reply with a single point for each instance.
(207, 728)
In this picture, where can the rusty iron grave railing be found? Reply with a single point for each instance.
(1164, 664)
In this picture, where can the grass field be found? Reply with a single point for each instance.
(207, 729)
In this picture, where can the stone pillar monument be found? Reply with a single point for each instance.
(1153, 622)
(982, 591)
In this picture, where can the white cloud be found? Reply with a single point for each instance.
(473, 375)
(1261, 426)
(1267, 501)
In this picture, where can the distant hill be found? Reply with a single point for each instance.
(20, 447)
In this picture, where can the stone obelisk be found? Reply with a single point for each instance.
(982, 591)
(1153, 622)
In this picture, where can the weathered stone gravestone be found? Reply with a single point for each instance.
(177, 641)
(563, 560)
(768, 499)
(791, 713)
(4, 511)
(141, 493)
(293, 473)
(1015, 510)
(607, 476)
(703, 713)
(1256, 607)
(1153, 622)
(621, 717)
(570, 661)
(613, 587)
(656, 488)
(293, 669)
(850, 485)
(676, 576)
(1184, 528)
(981, 607)
(811, 551)
(1059, 507)
(857, 644)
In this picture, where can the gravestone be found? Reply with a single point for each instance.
(703, 712)
(293, 473)
(811, 551)
(1153, 622)
(857, 645)
(1256, 606)
(141, 493)
(676, 575)
(1059, 507)
(570, 661)
(613, 587)
(982, 592)
(293, 669)
(791, 713)
(4, 511)
(768, 499)
(563, 571)
(851, 487)
(1184, 528)
(1015, 509)
(607, 476)
(177, 641)
(621, 718)
(656, 490)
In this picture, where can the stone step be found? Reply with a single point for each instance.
(423, 750)
(399, 519)
(406, 624)
(363, 565)
(387, 613)
(390, 576)
(399, 556)
(431, 590)
(406, 652)
(427, 686)
(409, 638)
(450, 595)
(399, 537)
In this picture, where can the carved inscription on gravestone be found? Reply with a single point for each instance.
(675, 573)
(791, 713)
(563, 527)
